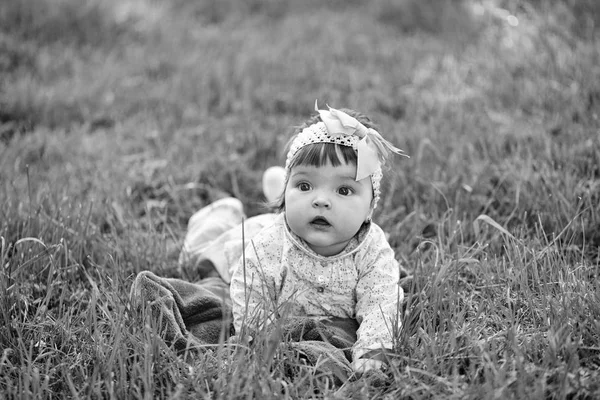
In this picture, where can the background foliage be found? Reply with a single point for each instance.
(119, 119)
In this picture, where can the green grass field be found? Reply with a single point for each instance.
(120, 118)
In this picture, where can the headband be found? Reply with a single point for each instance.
(340, 128)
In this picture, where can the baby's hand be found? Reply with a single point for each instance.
(362, 365)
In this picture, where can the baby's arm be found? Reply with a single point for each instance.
(378, 304)
(247, 295)
(372, 359)
(252, 290)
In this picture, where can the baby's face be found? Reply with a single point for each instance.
(326, 206)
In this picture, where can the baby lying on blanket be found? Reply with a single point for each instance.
(320, 257)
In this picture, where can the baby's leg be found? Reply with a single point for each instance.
(214, 241)
(204, 227)
(225, 251)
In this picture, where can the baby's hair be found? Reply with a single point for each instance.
(319, 154)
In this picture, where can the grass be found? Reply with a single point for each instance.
(119, 119)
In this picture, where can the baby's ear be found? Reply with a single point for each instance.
(370, 214)
(372, 208)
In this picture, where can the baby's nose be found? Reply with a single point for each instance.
(321, 201)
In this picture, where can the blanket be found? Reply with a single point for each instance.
(190, 316)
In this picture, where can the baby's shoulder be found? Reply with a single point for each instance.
(269, 237)
(375, 245)
(376, 235)
(274, 227)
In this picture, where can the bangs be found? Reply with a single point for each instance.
(319, 154)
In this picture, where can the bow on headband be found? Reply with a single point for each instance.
(371, 148)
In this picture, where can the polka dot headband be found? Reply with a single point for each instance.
(340, 128)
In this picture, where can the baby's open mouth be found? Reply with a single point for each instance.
(320, 221)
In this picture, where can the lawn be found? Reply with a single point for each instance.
(120, 118)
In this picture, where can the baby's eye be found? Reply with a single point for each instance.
(304, 187)
(345, 191)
